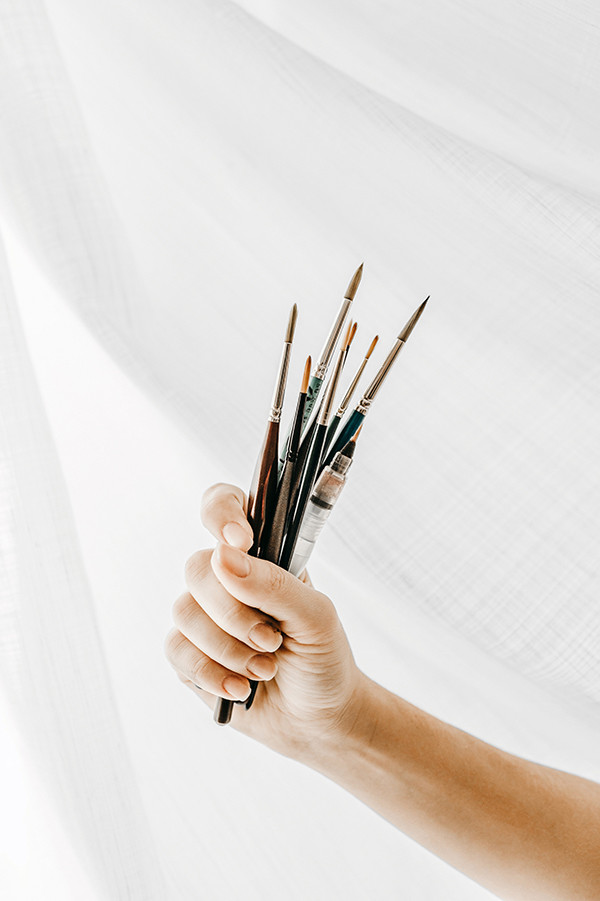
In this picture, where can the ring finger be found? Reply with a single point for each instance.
(199, 628)
(196, 666)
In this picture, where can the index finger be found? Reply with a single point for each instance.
(223, 513)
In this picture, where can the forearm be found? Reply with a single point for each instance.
(520, 829)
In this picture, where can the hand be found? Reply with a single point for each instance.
(244, 618)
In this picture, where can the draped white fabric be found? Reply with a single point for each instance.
(173, 176)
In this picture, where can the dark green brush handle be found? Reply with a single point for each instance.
(350, 429)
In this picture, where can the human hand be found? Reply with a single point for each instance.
(244, 618)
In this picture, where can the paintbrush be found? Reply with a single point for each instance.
(284, 491)
(312, 467)
(263, 490)
(324, 496)
(318, 377)
(357, 417)
(333, 425)
(307, 439)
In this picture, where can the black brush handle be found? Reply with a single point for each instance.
(307, 485)
(261, 506)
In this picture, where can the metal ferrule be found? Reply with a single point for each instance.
(327, 352)
(348, 395)
(363, 406)
(277, 405)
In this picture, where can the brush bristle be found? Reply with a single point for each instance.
(354, 283)
(372, 347)
(306, 376)
(346, 342)
(289, 336)
(405, 333)
(352, 333)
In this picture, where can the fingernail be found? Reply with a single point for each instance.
(265, 637)
(263, 667)
(235, 534)
(234, 560)
(237, 687)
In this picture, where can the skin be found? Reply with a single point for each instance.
(522, 830)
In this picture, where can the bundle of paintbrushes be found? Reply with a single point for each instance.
(293, 493)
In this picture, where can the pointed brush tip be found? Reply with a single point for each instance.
(356, 434)
(372, 347)
(289, 336)
(306, 376)
(354, 283)
(405, 333)
(352, 333)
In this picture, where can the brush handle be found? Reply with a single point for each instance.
(263, 490)
(261, 505)
(307, 485)
(277, 530)
(314, 386)
(355, 420)
(331, 430)
(299, 467)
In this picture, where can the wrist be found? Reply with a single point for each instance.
(349, 734)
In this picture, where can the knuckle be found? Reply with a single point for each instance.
(197, 567)
(277, 579)
(222, 648)
(215, 491)
(231, 620)
(172, 645)
(326, 609)
(184, 609)
(200, 671)
(215, 495)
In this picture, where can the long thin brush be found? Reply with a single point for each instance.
(263, 490)
(280, 516)
(308, 437)
(318, 377)
(357, 417)
(333, 425)
(312, 467)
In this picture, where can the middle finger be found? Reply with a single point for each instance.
(193, 622)
(247, 624)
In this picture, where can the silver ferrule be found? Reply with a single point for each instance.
(327, 352)
(277, 405)
(363, 405)
(348, 395)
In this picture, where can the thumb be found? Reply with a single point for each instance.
(303, 612)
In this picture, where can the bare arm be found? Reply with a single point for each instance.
(522, 830)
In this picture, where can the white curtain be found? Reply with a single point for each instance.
(173, 175)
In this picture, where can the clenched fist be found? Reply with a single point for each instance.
(244, 618)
